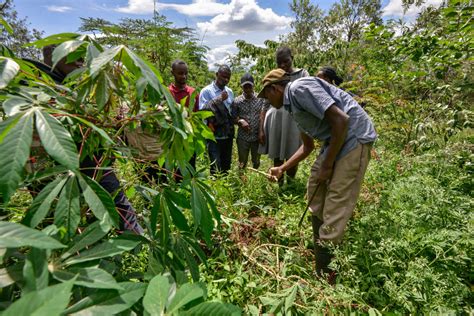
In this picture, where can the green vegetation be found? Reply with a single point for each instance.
(233, 245)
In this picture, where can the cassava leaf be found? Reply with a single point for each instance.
(99, 201)
(35, 271)
(89, 277)
(16, 235)
(106, 249)
(49, 301)
(7, 26)
(56, 140)
(104, 58)
(42, 202)
(184, 295)
(54, 39)
(14, 152)
(156, 295)
(214, 309)
(109, 302)
(68, 209)
(64, 49)
(8, 70)
(93, 233)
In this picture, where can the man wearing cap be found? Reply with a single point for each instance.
(323, 111)
(246, 111)
(218, 98)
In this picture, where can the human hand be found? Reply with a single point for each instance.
(276, 173)
(243, 123)
(224, 95)
(325, 174)
(261, 138)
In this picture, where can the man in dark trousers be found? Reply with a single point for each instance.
(247, 109)
(109, 181)
(218, 98)
(323, 111)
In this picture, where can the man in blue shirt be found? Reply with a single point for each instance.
(218, 98)
(323, 111)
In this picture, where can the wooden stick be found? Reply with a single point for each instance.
(268, 176)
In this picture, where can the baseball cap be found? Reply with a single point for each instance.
(246, 79)
(274, 76)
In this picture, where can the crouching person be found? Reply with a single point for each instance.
(323, 111)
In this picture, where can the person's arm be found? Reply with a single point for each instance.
(305, 149)
(339, 122)
(261, 130)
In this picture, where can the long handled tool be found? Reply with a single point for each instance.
(307, 205)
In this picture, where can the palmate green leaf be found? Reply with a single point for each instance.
(11, 274)
(93, 233)
(89, 277)
(14, 152)
(214, 309)
(99, 201)
(182, 248)
(16, 235)
(202, 216)
(100, 131)
(146, 72)
(156, 295)
(46, 302)
(7, 26)
(184, 295)
(42, 203)
(35, 271)
(106, 249)
(176, 214)
(65, 49)
(54, 39)
(8, 70)
(68, 208)
(103, 59)
(14, 105)
(56, 140)
(109, 302)
(7, 125)
(102, 91)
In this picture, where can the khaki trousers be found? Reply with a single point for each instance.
(334, 202)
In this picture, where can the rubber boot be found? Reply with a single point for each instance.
(316, 224)
(323, 258)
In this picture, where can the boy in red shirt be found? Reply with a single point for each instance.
(180, 90)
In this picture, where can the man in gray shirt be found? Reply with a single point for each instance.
(323, 111)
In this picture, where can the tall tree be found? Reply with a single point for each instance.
(306, 25)
(21, 34)
(155, 39)
(346, 19)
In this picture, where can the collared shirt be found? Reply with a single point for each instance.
(222, 121)
(179, 94)
(307, 99)
(211, 92)
(249, 110)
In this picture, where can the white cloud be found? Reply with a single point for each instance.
(219, 55)
(395, 8)
(196, 8)
(244, 16)
(60, 9)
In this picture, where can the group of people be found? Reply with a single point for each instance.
(303, 108)
(281, 121)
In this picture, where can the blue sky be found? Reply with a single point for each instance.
(218, 22)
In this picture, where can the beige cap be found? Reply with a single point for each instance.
(274, 76)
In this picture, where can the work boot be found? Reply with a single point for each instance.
(323, 258)
(316, 223)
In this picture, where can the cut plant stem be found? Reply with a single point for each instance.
(267, 175)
